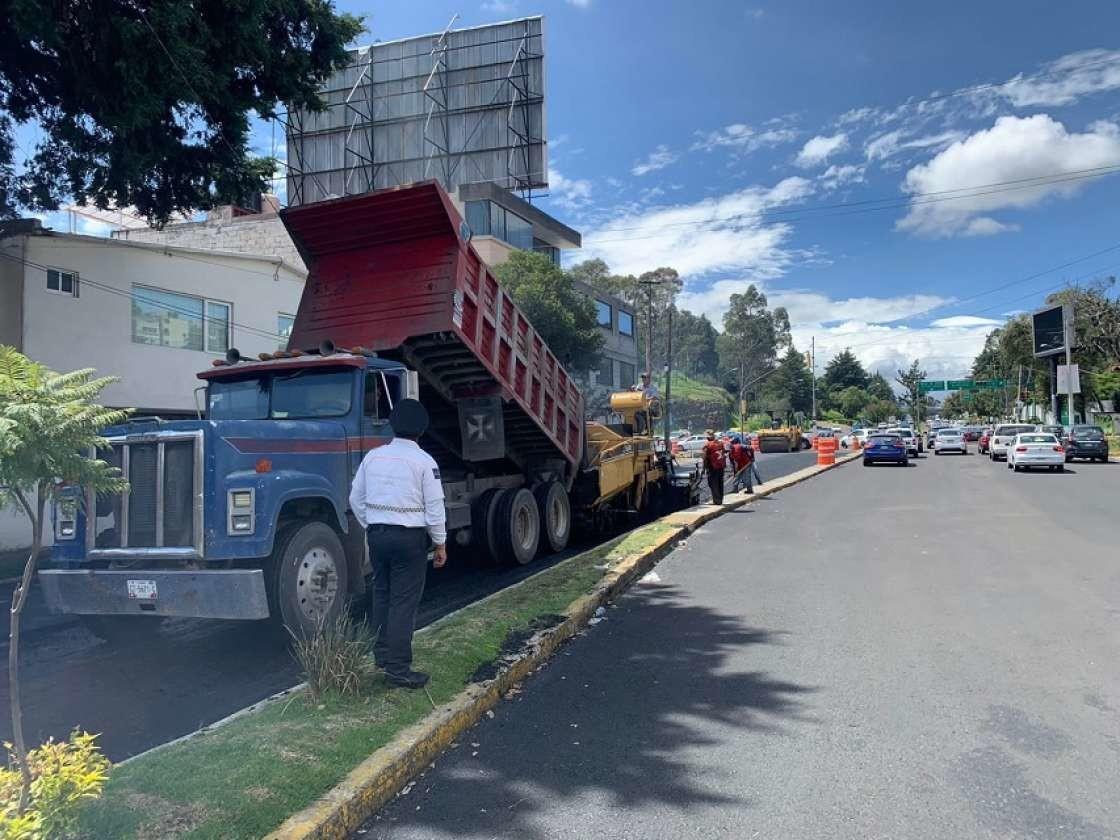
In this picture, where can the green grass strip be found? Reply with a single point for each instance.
(247, 777)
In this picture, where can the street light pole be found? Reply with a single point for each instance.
(668, 383)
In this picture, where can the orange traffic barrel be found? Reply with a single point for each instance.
(813, 442)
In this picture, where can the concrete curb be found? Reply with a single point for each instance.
(379, 778)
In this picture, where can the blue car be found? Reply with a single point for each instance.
(885, 448)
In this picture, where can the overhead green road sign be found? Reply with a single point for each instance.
(927, 385)
(974, 384)
(959, 385)
(992, 384)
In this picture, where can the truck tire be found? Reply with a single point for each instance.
(517, 526)
(309, 577)
(483, 516)
(122, 629)
(556, 515)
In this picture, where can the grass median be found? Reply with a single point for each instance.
(245, 778)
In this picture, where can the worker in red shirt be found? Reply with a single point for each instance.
(715, 462)
(742, 458)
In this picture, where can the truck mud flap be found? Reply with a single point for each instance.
(217, 593)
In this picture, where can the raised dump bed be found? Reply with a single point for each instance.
(394, 271)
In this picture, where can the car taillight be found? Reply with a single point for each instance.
(1058, 449)
(1020, 449)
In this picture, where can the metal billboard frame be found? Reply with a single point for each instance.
(1067, 324)
(506, 82)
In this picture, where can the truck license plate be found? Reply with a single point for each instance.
(142, 590)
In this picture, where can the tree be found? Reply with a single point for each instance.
(48, 422)
(843, 371)
(694, 345)
(147, 103)
(791, 383)
(752, 336)
(879, 388)
(852, 402)
(911, 380)
(564, 318)
(880, 411)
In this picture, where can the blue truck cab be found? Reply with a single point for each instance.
(241, 515)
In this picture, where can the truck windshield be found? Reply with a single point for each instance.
(302, 394)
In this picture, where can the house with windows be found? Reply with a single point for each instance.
(153, 315)
(618, 364)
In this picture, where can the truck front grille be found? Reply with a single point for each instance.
(162, 509)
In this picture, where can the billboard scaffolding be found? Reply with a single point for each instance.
(462, 106)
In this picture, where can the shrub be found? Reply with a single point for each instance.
(65, 775)
(338, 659)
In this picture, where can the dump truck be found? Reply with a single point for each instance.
(244, 513)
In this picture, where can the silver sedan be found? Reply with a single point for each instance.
(950, 440)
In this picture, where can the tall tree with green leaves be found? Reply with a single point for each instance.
(843, 371)
(564, 317)
(790, 386)
(879, 388)
(146, 103)
(752, 337)
(910, 381)
(48, 423)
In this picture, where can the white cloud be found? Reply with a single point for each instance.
(818, 149)
(659, 158)
(499, 7)
(887, 145)
(568, 193)
(579, 4)
(1014, 149)
(744, 139)
(839, 175)
(724, 233)
(1066, 80)
(965, 321)
(756, 14)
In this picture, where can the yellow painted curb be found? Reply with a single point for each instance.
(371, 784)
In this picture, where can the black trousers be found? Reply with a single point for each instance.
(715, 483)
(400, 563)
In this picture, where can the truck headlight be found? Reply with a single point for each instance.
(65, 517)
(241, 510)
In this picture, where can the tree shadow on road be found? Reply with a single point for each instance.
(619, 719)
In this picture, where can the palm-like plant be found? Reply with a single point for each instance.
(50, 426)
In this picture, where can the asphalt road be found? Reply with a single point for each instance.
(187, 674)
(923, 652)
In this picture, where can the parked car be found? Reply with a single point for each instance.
(950, 440)
(982, 443)
(885, 448)
(971, 433)
(1002, 436)
(908, 437)
(1036, 449)
(694, 444)
(1086, 442)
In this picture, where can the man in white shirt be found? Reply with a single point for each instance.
(398, 498)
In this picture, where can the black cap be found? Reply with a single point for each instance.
(409, 418)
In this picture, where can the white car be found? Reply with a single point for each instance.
(950, 440)
(1036, 449)
(694, 443)
(1003, 435)
(908, 437)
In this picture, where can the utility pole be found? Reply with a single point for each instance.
(668, 383)
(1069, 363)
(813, 371)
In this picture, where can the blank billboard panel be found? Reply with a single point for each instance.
(463, 106)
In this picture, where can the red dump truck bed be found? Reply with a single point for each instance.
(394, 271)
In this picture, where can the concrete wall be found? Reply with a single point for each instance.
(260, 235)
(95, 328)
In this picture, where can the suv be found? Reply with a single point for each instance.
(1003, 435)
(908, 438)
(1087, 442)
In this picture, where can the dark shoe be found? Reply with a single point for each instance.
(409, 679)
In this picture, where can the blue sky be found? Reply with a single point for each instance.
(718, 138)
(836, 154)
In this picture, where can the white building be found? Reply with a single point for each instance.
(153, 315)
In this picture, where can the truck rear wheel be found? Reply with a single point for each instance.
(483, 515)
(518, 526)
(556, 515)
(309, 580)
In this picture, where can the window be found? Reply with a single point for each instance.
(550, 251)
(63, 282)
(485, 218)
(291, 395)
(604, 374)
(478, 217)
(382, 391)
(626, 373)
(625, 323)
(284, 324)
(603, 314)
(168, 319)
